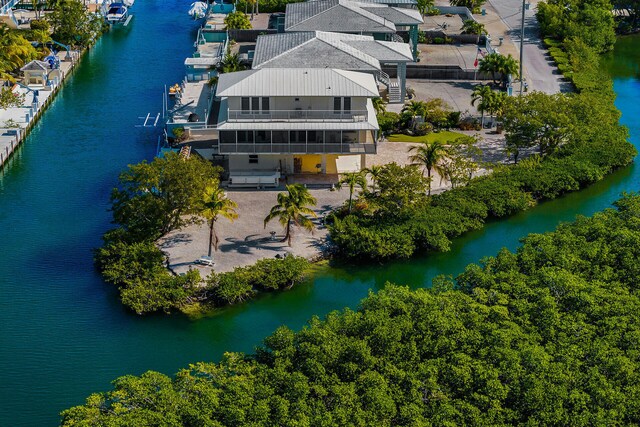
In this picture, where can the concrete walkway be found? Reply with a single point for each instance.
(246, 240)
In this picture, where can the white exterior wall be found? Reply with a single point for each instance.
(266, 162)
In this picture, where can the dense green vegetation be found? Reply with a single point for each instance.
(15, 51)
(164, 195)
(589, 21)
(72, 24)
(578, 137)
(264, 6)
(548, 335)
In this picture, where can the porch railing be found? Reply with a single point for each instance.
(297, 148)
(298, 115)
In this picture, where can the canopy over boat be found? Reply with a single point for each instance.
(198, 9)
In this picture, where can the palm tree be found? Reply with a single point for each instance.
(497, 103)
(414, 109)
(374, 171)
(482, 93)
(291, 208)
(496, 63)
(351, 180)
(471, 26)
(230, 63)
(379, 105)
(508, 66)
(431, 155)
(214, 203)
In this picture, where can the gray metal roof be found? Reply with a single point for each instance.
(324, 49)
(36, 65)
(342, 16)
(392, 2)
(317, 50)
(384, 51)
(397, 15)
(297, 82)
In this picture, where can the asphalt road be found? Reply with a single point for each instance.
(539, 69)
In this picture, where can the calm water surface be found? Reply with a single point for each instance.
(63, 333)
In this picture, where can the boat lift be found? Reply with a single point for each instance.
(149, 121)
(64, 46)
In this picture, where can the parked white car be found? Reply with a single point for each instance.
(205, 260)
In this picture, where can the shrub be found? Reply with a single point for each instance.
(39, 24)
(388, 121)
(423, 129)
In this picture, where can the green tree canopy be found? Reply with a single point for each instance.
(237, 21)
(546, 335)
(154, 198)
(73, 24)
(588, 20)
(538, 120)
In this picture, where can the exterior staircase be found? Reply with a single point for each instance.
(394, 92)
(393, 87)
(396, 38)
(185, 152)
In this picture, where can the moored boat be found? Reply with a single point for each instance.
(118, 12)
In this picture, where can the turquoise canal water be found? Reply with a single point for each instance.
(63, 333)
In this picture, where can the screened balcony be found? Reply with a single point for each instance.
(297, 142)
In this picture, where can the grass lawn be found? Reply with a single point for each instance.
(443, 136)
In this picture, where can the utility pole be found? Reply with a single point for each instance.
(522, 47)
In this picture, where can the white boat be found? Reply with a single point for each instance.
(198, 10)
(117, 13)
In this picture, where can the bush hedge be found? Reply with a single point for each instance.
(597, 146)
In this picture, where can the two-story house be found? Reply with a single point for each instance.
(296, 120)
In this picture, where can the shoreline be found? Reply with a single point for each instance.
(11, 146)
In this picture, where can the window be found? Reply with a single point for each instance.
(341, 104)
(253, 158)
(265, 105)
(255, 104)
(337, 105)
(245, 105)
(245, 136)
(262, 136)
(346, 104)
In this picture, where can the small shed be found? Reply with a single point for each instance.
(38, 72)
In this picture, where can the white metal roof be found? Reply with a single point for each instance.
(297, 82)
(203, 61)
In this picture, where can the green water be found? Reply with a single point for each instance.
(63, 333)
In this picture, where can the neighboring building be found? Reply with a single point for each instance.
(410, 4)
(295, 120)
(39, 72)
(346, 16)
(352, 52)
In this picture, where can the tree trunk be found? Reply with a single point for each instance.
(210, 237)
(215, 237)
(287, 234)
(350, 197)
(429, 183)
(482, 119)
